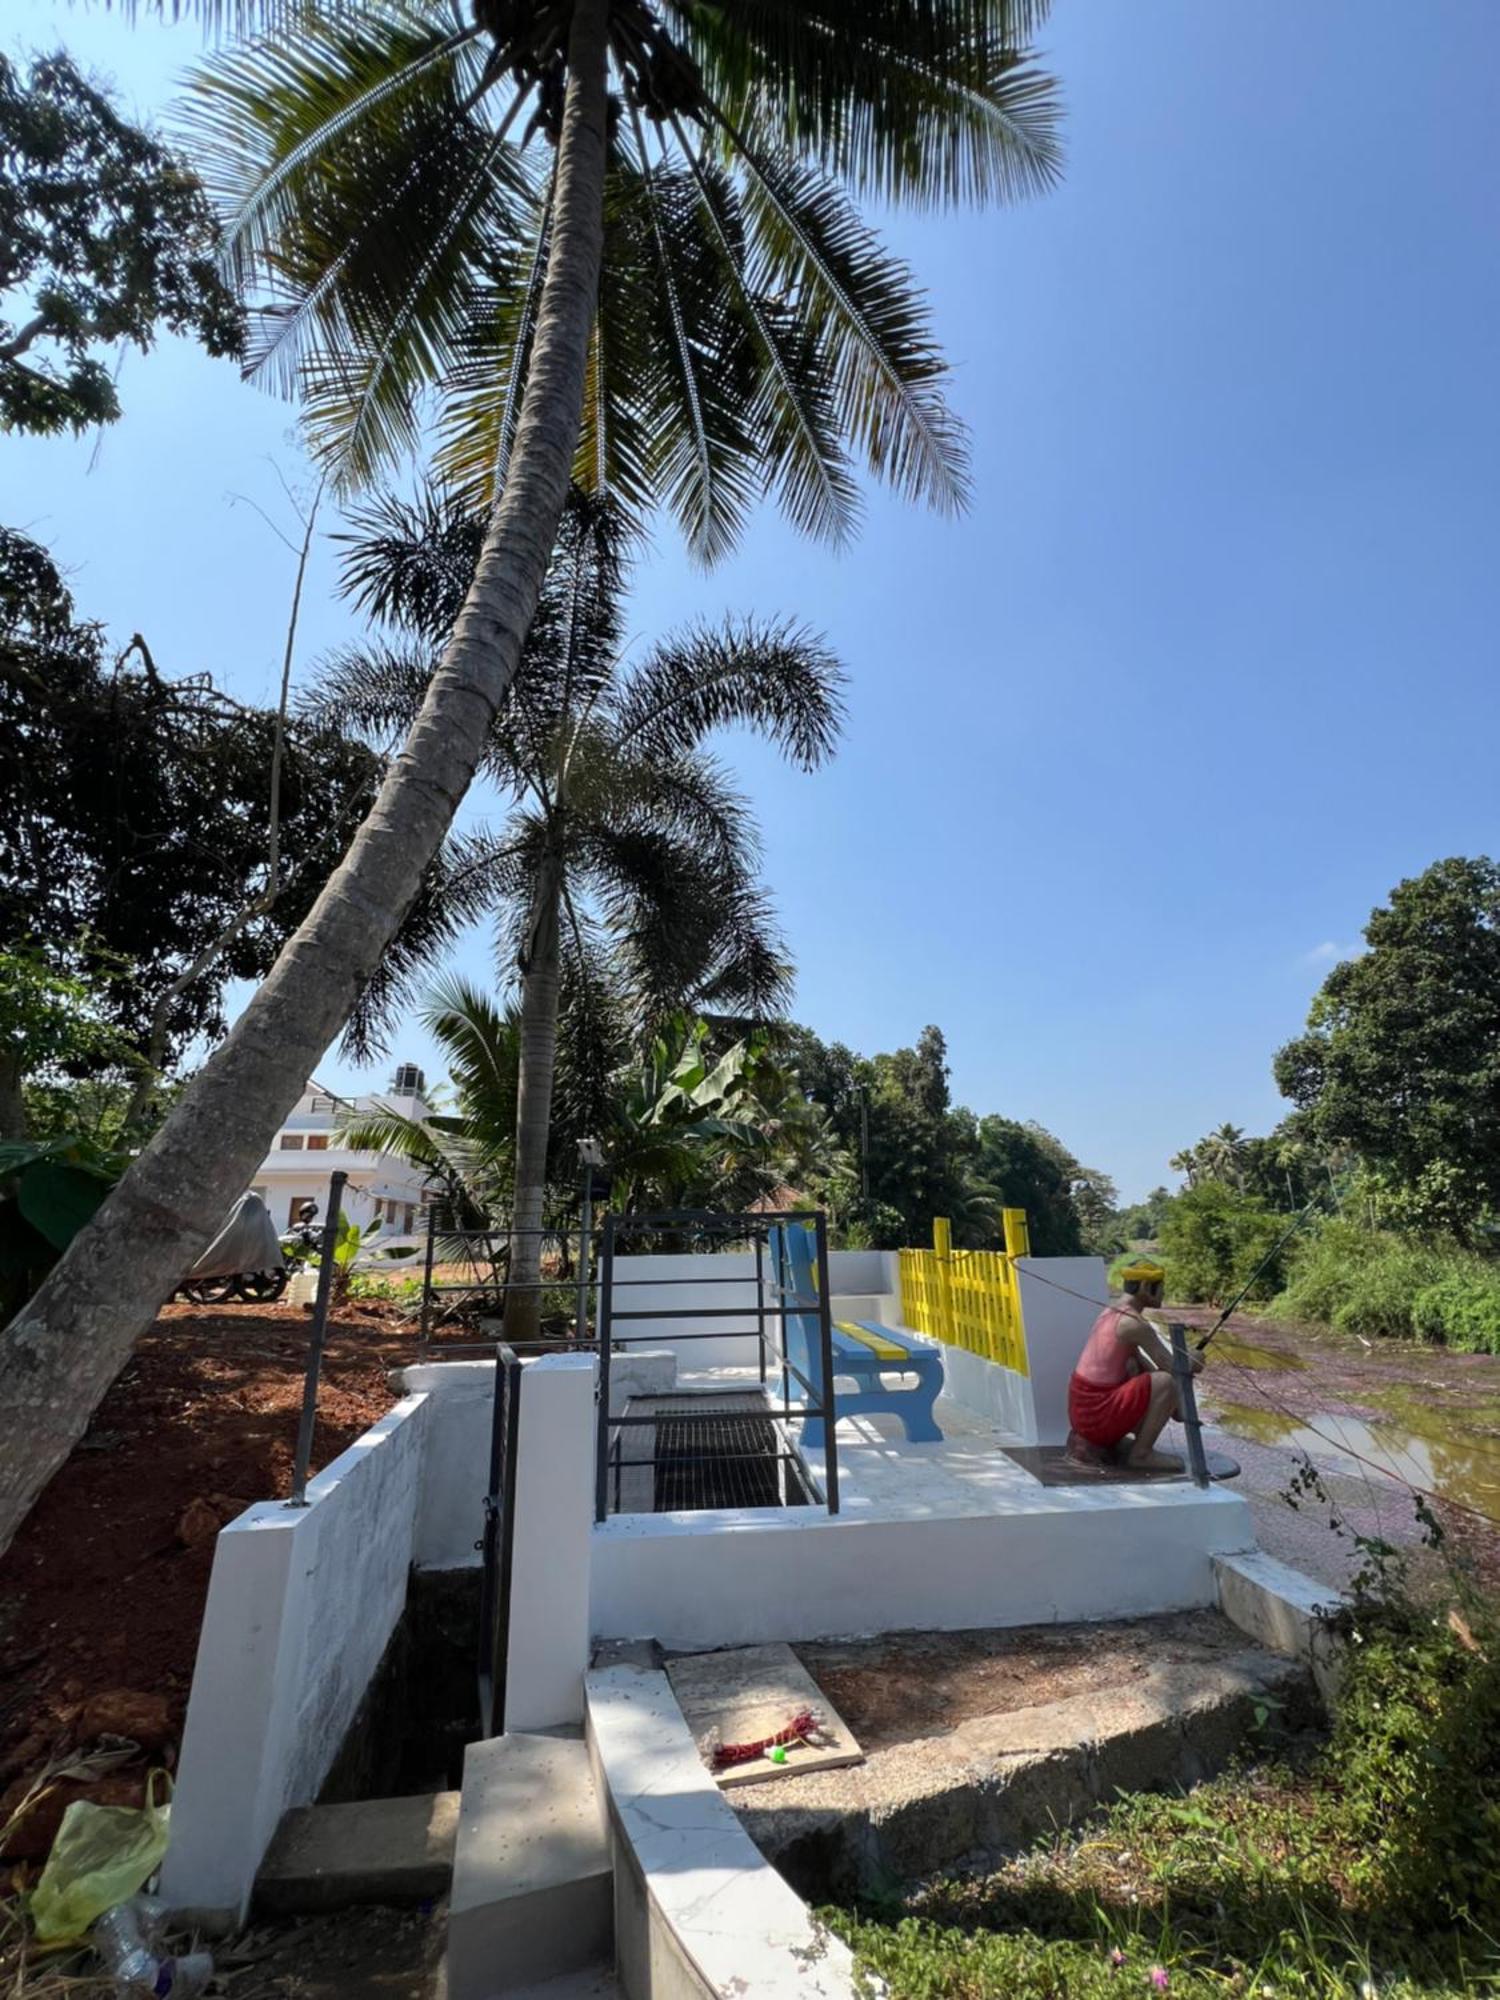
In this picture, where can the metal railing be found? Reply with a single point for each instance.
(774, 1308)
(466, 1270)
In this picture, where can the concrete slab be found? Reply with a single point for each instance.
(750, 1692)
(374, 1851)
(532, 1885)
(1285, 1610)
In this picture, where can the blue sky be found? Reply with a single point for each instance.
(1135, 747)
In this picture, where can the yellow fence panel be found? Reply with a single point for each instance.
(968, 1298)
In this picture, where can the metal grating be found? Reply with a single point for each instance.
(704, 1452)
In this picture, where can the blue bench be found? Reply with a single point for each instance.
(861, 1350)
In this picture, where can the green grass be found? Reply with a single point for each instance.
(1370, 1866)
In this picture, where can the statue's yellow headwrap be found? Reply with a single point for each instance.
(1143, 1272)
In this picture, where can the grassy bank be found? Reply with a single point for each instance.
(1370, 1865)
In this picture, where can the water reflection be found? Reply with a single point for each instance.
(1439, 1457)
(1245, 1354)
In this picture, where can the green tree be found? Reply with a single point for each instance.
(628, 862)
(762, 339)
(1213, 1237)
(104, 236)
(1401, 1062)
(136, 826)
(49, 1025)
(1032, 1170)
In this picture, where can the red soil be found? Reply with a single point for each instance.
(99, 1592)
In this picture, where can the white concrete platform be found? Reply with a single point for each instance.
(934, 1537)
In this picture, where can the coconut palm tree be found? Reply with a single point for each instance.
(629, 859)
(683, 295)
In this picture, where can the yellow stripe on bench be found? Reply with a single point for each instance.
(883, 1350)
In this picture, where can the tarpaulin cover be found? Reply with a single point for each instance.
(247, 1242)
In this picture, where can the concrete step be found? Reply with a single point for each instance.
(374, 1851)
(533, 1894)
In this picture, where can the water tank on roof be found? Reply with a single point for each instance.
(410, 1081)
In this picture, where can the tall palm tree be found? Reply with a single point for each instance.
(748, 332)
(629, 858)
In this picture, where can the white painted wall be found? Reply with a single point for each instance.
(301, 1604)
(708, 1580)
(1057, 1324)
(718, 1280)
(455, 1469)
(549, 1602)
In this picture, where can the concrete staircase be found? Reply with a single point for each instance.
(533, 1892)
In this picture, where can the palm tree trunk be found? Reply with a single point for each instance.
(62, 1351)
(540, 980)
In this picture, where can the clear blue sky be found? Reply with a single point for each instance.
(1136, 746)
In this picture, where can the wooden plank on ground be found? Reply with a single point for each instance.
(751, 1692)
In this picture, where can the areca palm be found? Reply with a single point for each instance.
(679, 293)
(629, 859)
(465, 1145)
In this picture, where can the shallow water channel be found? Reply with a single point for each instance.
(1393, 1411)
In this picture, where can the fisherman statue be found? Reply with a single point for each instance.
(1122, 1393)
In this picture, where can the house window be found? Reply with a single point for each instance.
(292, 1206)
(317, 1142)
(379, 1209)
(411, 1218)
(291, 1142)
(324, 1104)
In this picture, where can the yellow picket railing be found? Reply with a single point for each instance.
(969, 1298)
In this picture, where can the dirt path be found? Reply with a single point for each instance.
(1375, 1418)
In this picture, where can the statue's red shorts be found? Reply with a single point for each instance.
(1104, 1416)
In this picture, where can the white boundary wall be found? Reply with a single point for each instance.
(301, 1604)
(1057, 1324)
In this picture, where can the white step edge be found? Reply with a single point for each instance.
(698, 1908)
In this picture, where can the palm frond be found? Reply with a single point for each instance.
(887, 369)
(698, 390)
(906, 100)
(408, 562)
(452, 895)
(373, 691)
(793, 416)
(780, 679)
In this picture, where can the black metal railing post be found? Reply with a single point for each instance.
(498, 1543)
(303, 1456)
(828, 1412)
(760, 1304)
(603, 1331)
(427, 1271)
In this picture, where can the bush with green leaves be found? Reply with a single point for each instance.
(1213, 1239)
(1379, 1283)
(1461, 1309)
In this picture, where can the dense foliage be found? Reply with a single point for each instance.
(1216, 1240)
(137, 808)
(918, 1156)
(1401, 1061)
(104, 236)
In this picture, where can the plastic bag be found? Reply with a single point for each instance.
(102, 1855)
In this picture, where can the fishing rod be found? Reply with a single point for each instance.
(1244, 1291)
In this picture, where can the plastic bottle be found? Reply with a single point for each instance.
(123, 1939)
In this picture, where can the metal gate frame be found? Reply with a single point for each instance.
(498, 1543)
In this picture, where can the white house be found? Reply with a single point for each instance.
(381, 1187)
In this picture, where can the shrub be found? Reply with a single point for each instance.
(1212, 1240)
(1376, 1282)
(1461, 1309)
